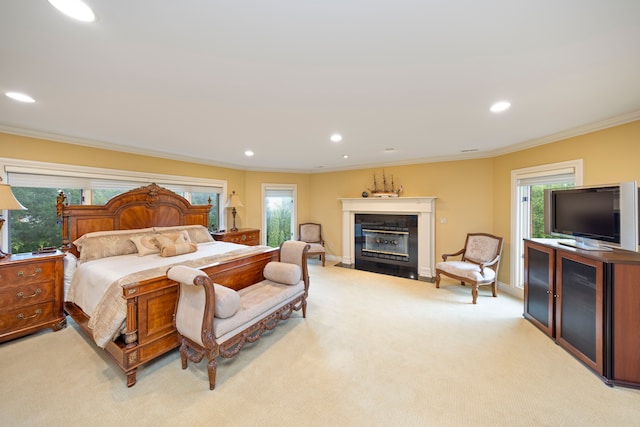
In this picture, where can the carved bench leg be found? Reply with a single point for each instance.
(211, 369)
(183, 354)
(437, 280)
(474, 292)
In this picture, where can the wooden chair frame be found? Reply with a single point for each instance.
(492, 264)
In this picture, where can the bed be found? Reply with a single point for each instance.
(118, 292)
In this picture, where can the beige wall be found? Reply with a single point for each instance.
(611, 155)
(473, 195)
(463, 190)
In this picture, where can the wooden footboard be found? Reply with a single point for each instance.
(150, 330)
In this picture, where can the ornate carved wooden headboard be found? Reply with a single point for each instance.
(148, 206)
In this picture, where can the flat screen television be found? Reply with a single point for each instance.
(597, 218)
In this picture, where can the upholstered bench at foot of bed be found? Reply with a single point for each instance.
(216, 321)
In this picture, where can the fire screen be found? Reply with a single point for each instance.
(386, 244)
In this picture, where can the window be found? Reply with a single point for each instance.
(36, 186)
(38, 226)
(279, 208)
(527, 211)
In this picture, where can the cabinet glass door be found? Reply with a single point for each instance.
(538, 301)
(579, 309)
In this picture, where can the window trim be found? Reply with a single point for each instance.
(294, 213)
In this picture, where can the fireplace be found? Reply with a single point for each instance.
(421, 209)
(387, 244)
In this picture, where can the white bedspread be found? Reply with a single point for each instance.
(96, 285)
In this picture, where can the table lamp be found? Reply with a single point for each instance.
(7, 202)
(234, 202)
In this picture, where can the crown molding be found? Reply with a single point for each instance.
(570, 133)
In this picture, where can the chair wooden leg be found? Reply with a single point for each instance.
(494, 289)
(322, 258)
(437, 280)
(474, 292)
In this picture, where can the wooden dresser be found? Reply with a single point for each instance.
(31, 294)
(244, 236)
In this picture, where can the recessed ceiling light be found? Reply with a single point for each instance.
(75, 9)
(20, 97)
(346, 156)
(336, 137)
(468, 150)
(389, 150)
(500, 106)
(248, 153)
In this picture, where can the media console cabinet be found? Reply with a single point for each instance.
(589, 303)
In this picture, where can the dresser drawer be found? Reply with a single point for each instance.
(250, 239)
(25, 273)
(25, 317)
(244, 236)
(26, 294)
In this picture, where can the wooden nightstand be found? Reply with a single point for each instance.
(244, 236)
(31, 294)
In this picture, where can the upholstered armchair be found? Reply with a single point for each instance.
(478, 266)
(311, 233)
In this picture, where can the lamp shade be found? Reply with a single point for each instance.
(234, 201)
(8, 200)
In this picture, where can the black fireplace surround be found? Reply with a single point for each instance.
(387, 244)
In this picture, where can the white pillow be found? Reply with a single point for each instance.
(227, 301)
(282, 272)
(145, 244)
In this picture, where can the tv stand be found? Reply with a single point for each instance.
(584, 246)
(587, 302)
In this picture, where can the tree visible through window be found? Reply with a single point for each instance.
(537, 207)
(38, 226)
(203, 199)
(279, 213)
(278, 220)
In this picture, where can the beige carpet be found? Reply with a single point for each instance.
(374, 351)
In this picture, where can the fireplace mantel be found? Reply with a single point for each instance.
(424, 207)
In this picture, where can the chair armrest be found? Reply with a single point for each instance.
(445, 256)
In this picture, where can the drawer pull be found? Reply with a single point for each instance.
(36, 313)
(35, 273)
(36, 293)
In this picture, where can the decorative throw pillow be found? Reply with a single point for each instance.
(197, 233)
(146, 244)
(282, 272)
(102, 244)
(178, 246)
(227, 301)
(175, 237)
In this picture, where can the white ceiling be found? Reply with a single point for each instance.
(207, 80)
